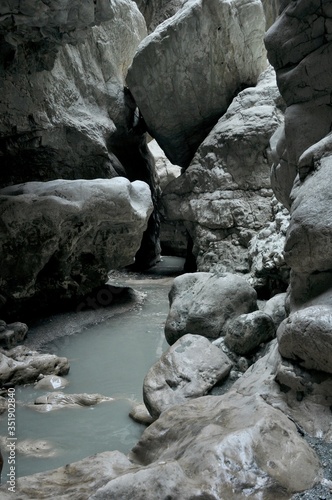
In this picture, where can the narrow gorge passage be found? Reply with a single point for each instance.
(110, 358)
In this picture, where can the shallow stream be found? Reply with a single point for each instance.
(110, 358)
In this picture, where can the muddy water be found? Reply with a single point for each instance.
(110, 358)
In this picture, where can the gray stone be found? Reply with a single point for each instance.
(20, 365)
(12, 334)
(72, 233)
(59, 400)
(306, 336)
(203, 303)
(268, 269)
(157, 11)
(185, 74)
(276, 308)
(246, 332)
(224, 197)
(187, 370)
(62, 81)
(49, 382)
(140, 414)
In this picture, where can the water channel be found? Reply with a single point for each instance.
(110, 352)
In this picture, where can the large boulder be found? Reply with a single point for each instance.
(186, 73)
(224, 197)
(187, 370)
(203, 303)
(62, 77)
(20, 365)
(59, 239)
(306, 336)
(245, 333)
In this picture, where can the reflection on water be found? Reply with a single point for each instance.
(110, 358)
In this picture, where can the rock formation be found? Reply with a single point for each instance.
(58, 400)
(204, 303)
(186, 73)
(60, 238)
(224, 197)
(20, 365)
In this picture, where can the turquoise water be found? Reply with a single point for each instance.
(110, 358)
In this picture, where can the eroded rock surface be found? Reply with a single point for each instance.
(62, 80)
(186, 73)
(203, 303)
(20, 365)
(12, 334)
(187, 370)
(246, 332)
(64, 236)
(58, 400)
(224, 197)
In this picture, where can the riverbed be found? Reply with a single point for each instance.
(110, 351)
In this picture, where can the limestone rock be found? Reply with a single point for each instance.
(188, 369)
(247, 331)
(40, 448)
(234, 431)
(306, 336)
(62, 81)
(157, 11)
(185, 74)
(276, 308)
(49, 382)
(140, 414)
(166, 171)
(13, 334)
(203, 303)
(57, 400)
(73, 481)
(269, 271)
(299, 48)
(224, 197)
(20, 365)
(72, 233)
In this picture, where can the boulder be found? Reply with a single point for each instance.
(224, 197)
(306, 337)
(203, 303)
(57, 400)
(20, 365)
(49, 382)
(187, 370)
(62, 77)
(186, 73)
(246, 332)
(276, 308)
(64, 236)
(13, 334)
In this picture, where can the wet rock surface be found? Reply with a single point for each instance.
(21, 365)
(187, 370)
(203, 303)
(57, 400)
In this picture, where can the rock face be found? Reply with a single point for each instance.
(203, 303)
(187, 370)
(157, 11)
(185, 74)
(224, 196)
(246, 332)
(62, 81)
(20, 365)
(302, 176)
(60, 238)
